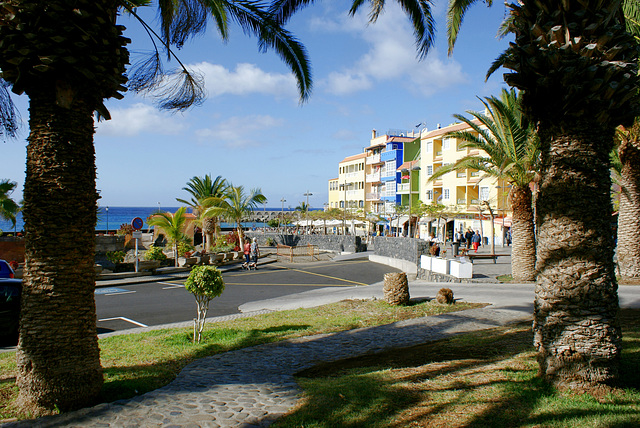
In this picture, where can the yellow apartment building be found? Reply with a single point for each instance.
(349, 186)
(466, 194)
(334, 193)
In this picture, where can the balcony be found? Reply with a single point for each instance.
(475, 201)
(462, 202)
(375, 196)
(403, 188)
(373, 178)
(370, 160)
(353, 175)
(461, 175)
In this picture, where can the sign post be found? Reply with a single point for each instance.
(136, 224)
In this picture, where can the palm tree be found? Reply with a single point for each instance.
(68, 58)
(201, 189)
(628, 157)
(172, 225)
(512, 153)
(235, 205)
(628, 154)
(8, 207)
(578, 69)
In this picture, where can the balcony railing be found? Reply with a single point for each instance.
(352, 175)
(475, 174)
(475, 201)
(403, 187)
(373, 178)
(462, 201)
(439, 153)
(373, 159)
(373, 196)
(461, 175)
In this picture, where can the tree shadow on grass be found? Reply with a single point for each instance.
(476, 380)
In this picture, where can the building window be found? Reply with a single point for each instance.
(429, 169)
(430, 147)
(361, 204)
(429, 195)
(446, 194)
(484, 193)
(446, 144)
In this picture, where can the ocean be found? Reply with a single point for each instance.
(123, 215)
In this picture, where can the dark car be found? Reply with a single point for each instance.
(10, 290)
(5, 270)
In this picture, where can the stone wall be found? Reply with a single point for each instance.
(336, 243)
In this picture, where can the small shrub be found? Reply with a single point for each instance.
(125, 229)
(155, 253)
(271, 242)
(115, 257)
(205, 283)
(233, 241)
(184, 248)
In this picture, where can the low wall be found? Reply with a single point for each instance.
(109, 243)
(12, 248)
(336, 243)
(407, 250)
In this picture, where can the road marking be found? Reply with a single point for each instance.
(171, 285)
(289, 284)
(139, 324)
(111, 290)
(117, 293)
(329, 276)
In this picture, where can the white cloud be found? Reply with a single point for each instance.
(391, 56)
(138, 119)
(245, 79)
(238, 131)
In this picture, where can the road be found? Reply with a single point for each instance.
(148, 304)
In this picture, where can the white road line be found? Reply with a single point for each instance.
(125, 319)
(121, 292)
(171, 285)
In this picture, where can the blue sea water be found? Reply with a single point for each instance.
(123, 215)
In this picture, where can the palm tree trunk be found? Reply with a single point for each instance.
(629, 212)
(576, 329)
(58, 359)
(208, 229)
(523, 252)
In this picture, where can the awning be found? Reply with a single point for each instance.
(506, 221)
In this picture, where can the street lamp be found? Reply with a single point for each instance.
(283, 200)
(159, 208)
(107, 210)
(307, 209)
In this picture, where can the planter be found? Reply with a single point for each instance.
(151, 265)
(426, 262)
(187, 261)
(439, 265)
(461, 269)
(216, 259)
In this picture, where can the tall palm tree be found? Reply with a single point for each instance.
(578, 69)
(201, 189)
(235, 205)
(628, 154)
(8, 207)
(512, 153)
(68, 57)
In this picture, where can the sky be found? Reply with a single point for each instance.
(254, 131)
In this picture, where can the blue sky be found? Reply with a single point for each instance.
(252, 129)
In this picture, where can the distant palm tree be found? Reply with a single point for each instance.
(512, 154)
(202, 189)
(8, 207)
(172, 225)
(235, 205)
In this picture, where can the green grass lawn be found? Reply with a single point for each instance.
(483, 379)
(138, 363)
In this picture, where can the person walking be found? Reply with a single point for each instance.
(254, 253)
(475, 240)
(467, 237)
(247, 255)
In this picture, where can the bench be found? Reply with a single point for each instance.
(482, 256)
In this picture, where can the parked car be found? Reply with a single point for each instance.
(10, 291)
(5, 270)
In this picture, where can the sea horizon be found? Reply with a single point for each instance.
(119, 215)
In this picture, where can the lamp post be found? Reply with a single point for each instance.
(159, 208)
(107, 211)
(283, 200)
(307, 209)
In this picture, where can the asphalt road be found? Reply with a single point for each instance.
(148, 304)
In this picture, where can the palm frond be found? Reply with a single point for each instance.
(9, 115)
(455, 15)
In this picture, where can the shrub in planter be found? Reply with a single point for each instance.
(115, 257)
(155, 253)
